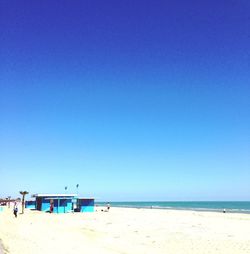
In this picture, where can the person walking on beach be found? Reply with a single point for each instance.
(15, 209)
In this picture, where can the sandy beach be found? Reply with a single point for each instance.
(1, 248)
(125, 230)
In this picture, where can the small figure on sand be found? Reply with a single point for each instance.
(15, 209)
(108, 207)
(224, 210)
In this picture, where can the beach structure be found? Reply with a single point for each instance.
(85, 204)
(30, 204)
(62, 203)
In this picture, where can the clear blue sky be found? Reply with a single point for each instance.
(132, 100)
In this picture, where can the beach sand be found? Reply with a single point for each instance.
(125, 230)
(1, 248)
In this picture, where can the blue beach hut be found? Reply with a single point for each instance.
(85, 204)
(62, 203)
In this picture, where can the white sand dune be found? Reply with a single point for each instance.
(125, 230)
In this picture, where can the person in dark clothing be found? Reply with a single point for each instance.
(15, 209)
(51, 207)
(108, 206)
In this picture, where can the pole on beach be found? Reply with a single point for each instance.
(9, 201)
(23, 193)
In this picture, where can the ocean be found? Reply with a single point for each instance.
(216, 206)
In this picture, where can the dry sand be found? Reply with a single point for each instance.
(1, 248)
(124, 230)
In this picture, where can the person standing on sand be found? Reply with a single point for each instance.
(51, 209)
(15, 209)
(108, 206)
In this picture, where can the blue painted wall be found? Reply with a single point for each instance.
(60, 206)
(64, 205)
(86, 205)
(45, 204)
(30, 204)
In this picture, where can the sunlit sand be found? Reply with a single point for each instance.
(125, 230)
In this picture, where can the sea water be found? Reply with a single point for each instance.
(229, 206)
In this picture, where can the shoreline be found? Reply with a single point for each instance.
(181, 209)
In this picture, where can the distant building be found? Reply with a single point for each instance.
(85, 205)
(30, 204)
(62, 203)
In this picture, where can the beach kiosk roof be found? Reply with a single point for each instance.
(55, 195)
(85, 198)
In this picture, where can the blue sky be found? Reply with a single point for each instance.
(132, 100)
